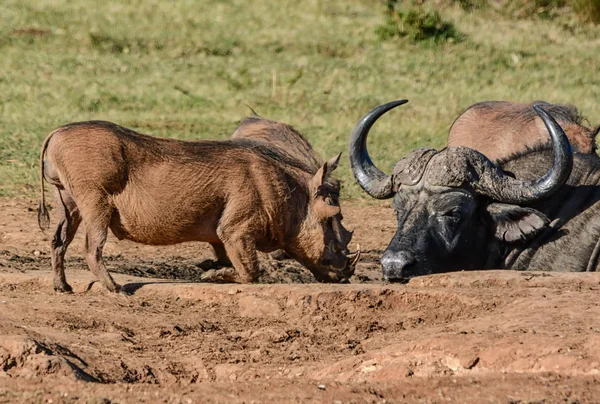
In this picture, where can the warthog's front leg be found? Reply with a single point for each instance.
(241, 250)
(68, 222)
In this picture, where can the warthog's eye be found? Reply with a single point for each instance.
(330, 201)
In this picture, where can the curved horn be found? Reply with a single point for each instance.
(510, 190)
(372, 180)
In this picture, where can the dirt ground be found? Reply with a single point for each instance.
(481, 336)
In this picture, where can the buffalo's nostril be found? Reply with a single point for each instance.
(398, 266)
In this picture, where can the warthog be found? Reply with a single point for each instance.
(500, 129)
(286, 140)
(457, 210)
(236, 195)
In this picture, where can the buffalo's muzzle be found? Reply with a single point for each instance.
(399, 266)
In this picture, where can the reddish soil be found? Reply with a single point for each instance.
(481, 336)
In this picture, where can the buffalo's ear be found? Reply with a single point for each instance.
(325, 171)
(511, 223)
(593, 136)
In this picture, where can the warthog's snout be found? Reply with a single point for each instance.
(340, 274)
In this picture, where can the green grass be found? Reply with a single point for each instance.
(418, 25)
(186, 69)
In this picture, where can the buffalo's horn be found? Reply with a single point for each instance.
(509, 190)
(372, 180)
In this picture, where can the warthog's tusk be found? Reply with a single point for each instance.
(349, 270)
(356, 257)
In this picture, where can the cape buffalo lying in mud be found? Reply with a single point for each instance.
(500, 129)
(286, 140)
(457, 210)
(237, 195)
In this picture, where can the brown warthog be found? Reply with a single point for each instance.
(500, 129)
(286, 140)
(237, 195)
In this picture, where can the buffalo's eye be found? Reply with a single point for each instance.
(449, 221)
(451, 214)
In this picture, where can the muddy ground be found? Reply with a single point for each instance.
(493, 336)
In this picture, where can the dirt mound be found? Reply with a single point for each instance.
(465, 329)
(28, 358)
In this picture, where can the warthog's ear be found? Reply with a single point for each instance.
(325, 171)
(512, 223)
(333, 163)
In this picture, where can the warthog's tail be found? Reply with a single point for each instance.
(42, 212)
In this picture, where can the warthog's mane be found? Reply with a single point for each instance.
(283, 137)
(268, 152)
(307, 160)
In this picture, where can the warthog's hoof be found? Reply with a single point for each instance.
(224, 275)
(63, 288)
(111, 287)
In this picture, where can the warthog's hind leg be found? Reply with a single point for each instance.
(218, 270)
(96, 219)
(68, 222)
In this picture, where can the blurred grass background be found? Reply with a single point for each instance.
(186, 68)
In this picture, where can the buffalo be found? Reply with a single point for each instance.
(501, 129)
(237, 195)
(458, 210)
